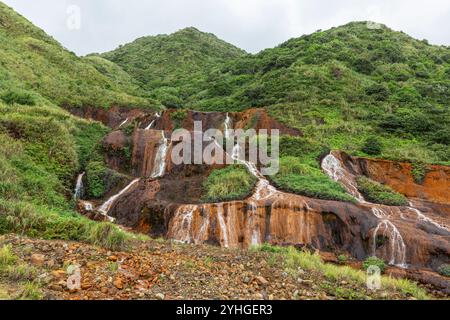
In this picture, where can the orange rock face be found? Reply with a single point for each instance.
(399, 176)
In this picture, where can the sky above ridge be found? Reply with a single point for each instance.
(86, 26)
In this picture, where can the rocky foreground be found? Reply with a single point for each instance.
(164, 270)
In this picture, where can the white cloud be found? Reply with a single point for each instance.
(250, 24)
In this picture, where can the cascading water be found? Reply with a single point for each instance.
(79, 187)
(333, 167)
(223, 225)
(397, 245)
(254, 225)
(160, 159)
(228, 124)
(153, 122)
(182, 223)
(106, 207)
(123, 123)
(421, 216)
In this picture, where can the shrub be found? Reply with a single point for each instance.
(444, 270)
(342, 258)
(419, 172)
(231, 183)
(372, 146)
(19, 97)
(377, 193)
(374, 261)
(7, 257)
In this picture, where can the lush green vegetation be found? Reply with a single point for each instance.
(374, 262)
(296, 262)
(377, 193)
(297, 177)
(42, 148)
(34, 64)
(232, 183)
(173, 67)
(365, 91)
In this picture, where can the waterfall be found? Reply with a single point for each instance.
(153, 122)
(160, 159)
(228, 124)
(426, 219)
(104, 209)
(397, 245)
(333, 167)
(123, 123)
(79, 187)
(223, 226)
(183, 223)
(264, 189)
(202, 234)
(254, 225)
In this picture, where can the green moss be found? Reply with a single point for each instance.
(378, 193)
(232, 183)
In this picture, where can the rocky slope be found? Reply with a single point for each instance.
(415, 237)
(161, 270)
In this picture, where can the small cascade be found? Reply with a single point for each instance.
(182, 224)
(153, 122)
(203, 233)
(106, 207)
(79, 187)
(160, 159)
(264, 189)
(123, 123)
(333, 167)
(422, 217)
(228, 125)
(254, 225)
(223, 226)
(389, 230)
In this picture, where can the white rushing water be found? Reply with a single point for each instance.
(421, 216)
(389, 230)
(223, 225)
(254, 224)
(183, 223)
(333, 167)
(153, 122)
(123, 123)
(228, 126)
(159, 167)
(78, 187)
(106, 207)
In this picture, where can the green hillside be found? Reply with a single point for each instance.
(33, 61)
(174, 67)
(367, 91)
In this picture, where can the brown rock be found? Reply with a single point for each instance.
(262, 281)
(118, 283)
(38, 259)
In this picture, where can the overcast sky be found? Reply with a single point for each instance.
(252, 25)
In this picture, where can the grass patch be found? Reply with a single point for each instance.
(231, 183)
(294, 259)
(444, 270)
(303, 179)
(41, 222)
(375, 262)
(378, 193)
